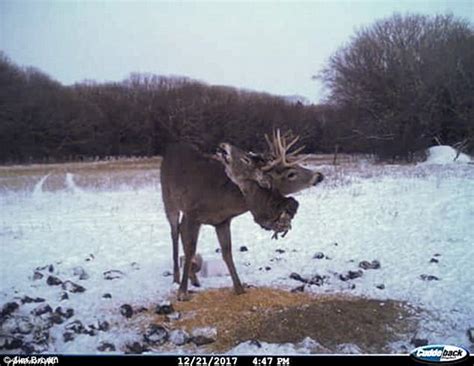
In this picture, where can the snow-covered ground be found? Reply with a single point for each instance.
(444, 154)
(417, 221)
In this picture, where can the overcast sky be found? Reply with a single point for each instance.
(266, 46)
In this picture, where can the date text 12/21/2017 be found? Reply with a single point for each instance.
(232, 361)
(207, 361)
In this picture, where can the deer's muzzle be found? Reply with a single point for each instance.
(318, 178)
(223, 152)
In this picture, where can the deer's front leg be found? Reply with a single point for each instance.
(223, 234)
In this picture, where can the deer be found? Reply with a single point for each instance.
(197, 190)
(247, 170)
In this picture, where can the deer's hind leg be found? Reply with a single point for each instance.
(189, 230)
(173, 218)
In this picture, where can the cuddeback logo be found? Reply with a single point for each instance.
(439, 354)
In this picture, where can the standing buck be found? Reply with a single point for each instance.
(198, 187)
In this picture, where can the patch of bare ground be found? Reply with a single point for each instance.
(105, 174)
(279, 316)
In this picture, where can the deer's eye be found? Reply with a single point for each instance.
(291, 175)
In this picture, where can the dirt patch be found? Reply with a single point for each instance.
(278, 316)
(370, 324)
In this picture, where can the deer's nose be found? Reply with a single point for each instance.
(319, 178)
(223, 152)
(224, 147)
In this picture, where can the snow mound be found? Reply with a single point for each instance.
(444, 154)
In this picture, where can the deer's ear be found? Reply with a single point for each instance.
(257, 158)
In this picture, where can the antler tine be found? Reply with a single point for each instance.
(269, 143)
(298, 161)
(272, 144)
(279, 139)
(281, 148)
(298, 150)
(295, 140)
(278, 142)
(274, 150)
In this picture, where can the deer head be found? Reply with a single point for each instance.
(278, 169)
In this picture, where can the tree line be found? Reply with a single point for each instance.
(399, 86)
(42, 120)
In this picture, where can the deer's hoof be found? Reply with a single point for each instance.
(196, 283)
(183, 296)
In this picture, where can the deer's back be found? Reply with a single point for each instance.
(198, 186)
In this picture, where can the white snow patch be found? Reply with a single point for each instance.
(70, 184)
(445, 155)
(38, 188)
(214, 268)
(179, 337)
(306, 346)
(207, 332)
(349, 348)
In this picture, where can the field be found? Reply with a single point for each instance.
(102, 226)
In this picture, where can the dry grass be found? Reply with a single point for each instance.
(95, 175)
(77, 167)
(278, 316)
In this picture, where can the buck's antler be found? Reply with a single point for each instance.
(279, 149)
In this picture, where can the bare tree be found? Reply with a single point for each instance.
(409, 78)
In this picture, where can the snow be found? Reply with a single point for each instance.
(307, 346)
(445, 155)
(401, 216)
(179, 337)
